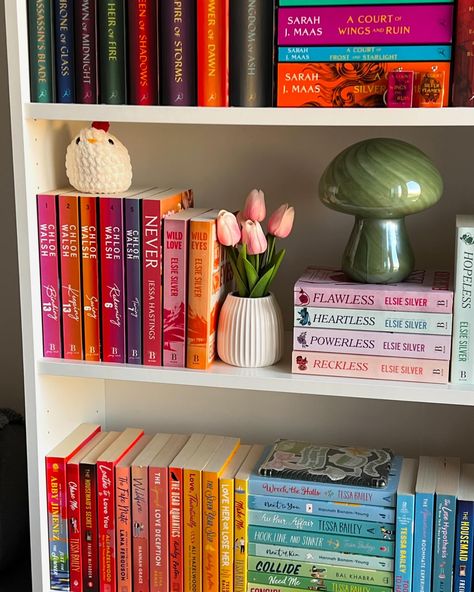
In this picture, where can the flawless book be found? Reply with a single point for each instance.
(86, 51)
(111, 51)
(142, 52)
(64, 50)
(40, 43)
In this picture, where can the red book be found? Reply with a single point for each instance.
(106, 506)
(142, 52)
(213, 53)
(88, 500)
(70, 258)
(463, 50)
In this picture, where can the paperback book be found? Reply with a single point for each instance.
(291, 582)
(464, 545)
(405, 526)
(364, 53)
(329, 586)
(463, 63)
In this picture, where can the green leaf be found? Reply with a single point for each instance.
(260, 287)
(241, 285)
(278, 258)
(252, 275)
(240, 261)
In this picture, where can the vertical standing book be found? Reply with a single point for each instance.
(463, 62)
(142, 52)
(111, 49)
(85, 51)
(463, 557)
(40, 34)
(64, 51)
(405, 526)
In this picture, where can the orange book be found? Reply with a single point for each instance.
(210, 278)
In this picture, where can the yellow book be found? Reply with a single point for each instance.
(241, 482)
(226, 519)
(192, 511)
(210, 511)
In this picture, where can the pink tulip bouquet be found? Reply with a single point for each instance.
(252, 253)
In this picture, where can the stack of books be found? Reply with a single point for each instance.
(392, 332)
(341, 53)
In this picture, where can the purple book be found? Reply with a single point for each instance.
(86, 51)
(362, 25)
(177, 39)
(132, 217)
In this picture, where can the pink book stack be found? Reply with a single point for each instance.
(390, 332)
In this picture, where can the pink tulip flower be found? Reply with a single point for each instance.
(228, 230)
(240, 217)
(254, 208)
(254, 237)
(280, 222)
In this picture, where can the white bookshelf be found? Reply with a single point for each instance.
(222, 154)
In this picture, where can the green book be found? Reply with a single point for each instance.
(286, 583)
(111, 32)
(40, 34)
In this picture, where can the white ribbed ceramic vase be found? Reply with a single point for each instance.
(250, 331)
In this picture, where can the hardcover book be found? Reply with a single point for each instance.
(463, 556)
(64, 51)
(363, 53)
(40, 42)
(142, 52)
(86, 51)
(405, 525)
(111, 51)
(463, 63)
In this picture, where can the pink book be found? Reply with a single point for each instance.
(384, 368)
(423, 291)
(49, 272)
(175, 285)
(403, 345)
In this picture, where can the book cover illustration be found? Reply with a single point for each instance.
(365, 467)
(142, 52)
(64, 50)
(40, 38)
(463, 63)
(364, 53)
(86, 51)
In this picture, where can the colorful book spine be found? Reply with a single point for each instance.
(212, 53)
(405, 527)
(351, 2)
(383, 368)
(326, 509)
(374, 320)
(337, 559)
(90, 277)
(158, 484)
(89, 528)
(64, 54)
(111, 51)
(192, 529)
(74, 527)
(133, 268)
(241, 549)
(40, 35)
(49, 273)
(141, 573)
(463, 562)
(463, 64)
(443, 547)
(395, 24)
(175, 531)
(423, 542)
(112, 279)
(212, 544)
(124, 528)
(364, 53)
(328, 586)
(142, 52)
(177, 23)
(251, 53)
(71, 293)
(320, 571)
(86, 51)
(227, 547)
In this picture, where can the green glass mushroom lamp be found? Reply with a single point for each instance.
(380, 181)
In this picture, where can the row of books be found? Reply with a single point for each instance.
(116, 273)
(392, 332)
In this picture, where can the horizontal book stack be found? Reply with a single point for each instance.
(342, 53)
(391, 332)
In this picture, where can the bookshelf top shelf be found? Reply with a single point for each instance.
(449, 116)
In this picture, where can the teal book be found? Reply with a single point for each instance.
(405, 526)
(40, 37)
(111, 33)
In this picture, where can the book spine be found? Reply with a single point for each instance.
(251, 53)
(90, 277)
(443, 552)
(384, 368)
(86, 51)
(423, 542)
(141, 551)
(142, 52)
(348, 53)
(273, 583)
(351, 2)
(111, 29)
(374, 320)
(320, 570)
(326, 509)
(112, 280)
(192, 530)
(49, 273)
(106, 525)
(56, 497)
(175, 233)
(420, 24)
(464, 546)
(336, 526)
(159, 544)
(212, 53)
(240, 534)
(133, 267)
(348, 560)
(40, 35)
(74, 527)
(71, 300)
(89, 528)
(404, 543)
(462, 359)
(210, 532)
(175, 531)
(343, 544)
(64, 45)
(463, 63)
(226, 535)
(123, 512)
(403, 345)
(178, 52)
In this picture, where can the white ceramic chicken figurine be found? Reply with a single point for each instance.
(96, 162)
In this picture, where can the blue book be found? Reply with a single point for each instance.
(381, 53)
(64, 50)
(311, 490)
(463, 560)
(133, 274)
(294, 505)
(424, 514)
(405, 526)
(447, 489)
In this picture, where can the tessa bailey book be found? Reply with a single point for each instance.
(40, 41)
(287, 582)
(142, 52)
